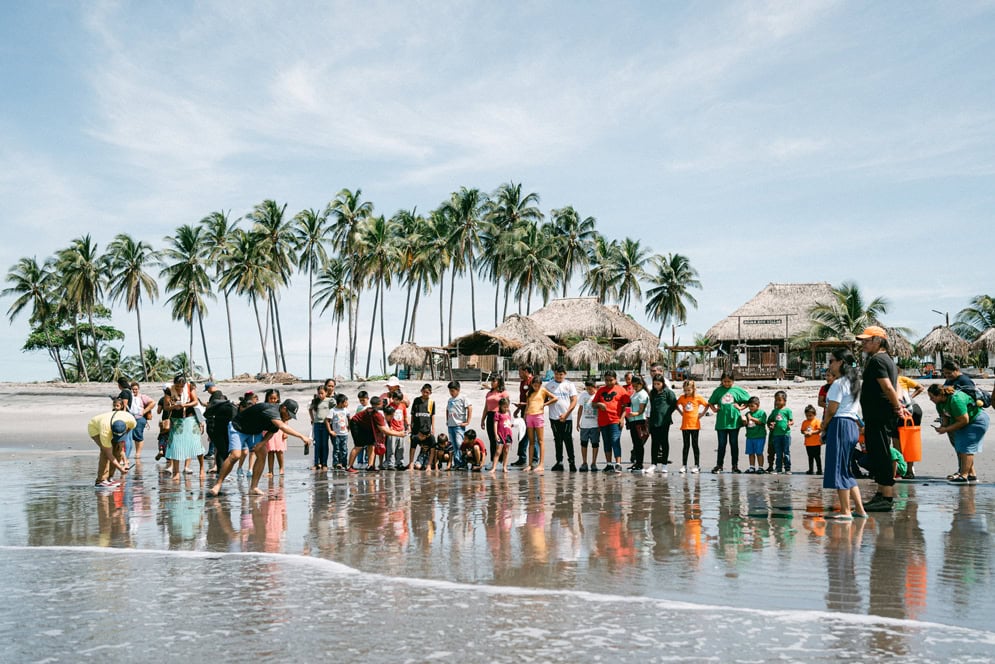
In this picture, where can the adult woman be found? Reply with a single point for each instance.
(965, 423)
(491, 401)
(663, 401)
(184, 432)
(840, 431)
(635, 420)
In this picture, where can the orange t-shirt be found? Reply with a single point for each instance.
(689, 410)
(812, 439)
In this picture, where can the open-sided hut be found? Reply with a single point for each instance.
(986, 342)
(943, 342)
(638, 353)
(585, 317)
(898, 344)
(485, 350)
(753, 339)
(589, 353)
(535, 353)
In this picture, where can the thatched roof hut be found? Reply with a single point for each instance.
(778, 312)
(985, 342)
(942, 339)
(535, 353)
(586, 317)
(638, 352)
(514, 333)
(589, 353)
(899, 345)
(408, 354)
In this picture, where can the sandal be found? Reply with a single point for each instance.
(957, 478)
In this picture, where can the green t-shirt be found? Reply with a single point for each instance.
(726, 399)
(957, 404)
(781, 417)
(759, 430)
(897, 456)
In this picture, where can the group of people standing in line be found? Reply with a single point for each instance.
(865, 406)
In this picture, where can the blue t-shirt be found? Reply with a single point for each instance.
(636, 401)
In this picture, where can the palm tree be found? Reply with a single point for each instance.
(219, 235)
(534, 264)
(507, 209)
(311, 233)
(278, 244)
(187, 280)
(575, 238)
(465, 209)
(440, 231)
(847, 314)
(378, 239)
(335, 293)
(407, 224)
(129, 279)
(428, 262)
(671, 284)
(248, 273)
(632, 257)
(32, 284)
(83, 274)
(604, 270)
(346, 212)
(972, 321)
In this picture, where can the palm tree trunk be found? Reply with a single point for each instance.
(266, 341)
(93, 332)
(452, 294)
(259, 325)
(310, 317)
(414, 314)
(373, 327)
(407, 307)
(203, 340)
(190, 350)
(528, 303)
(231, 343)
(352, 349)
(279, 332)
(272, 327)
(497, 298)
(335, 354)
(79, 353)
(507, 292)
(56, 355)
(383, 339)
(442, 310)
(473, 293)
(141, 346)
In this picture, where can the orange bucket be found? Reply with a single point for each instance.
(910, 440)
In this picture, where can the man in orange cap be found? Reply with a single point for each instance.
(880, 405)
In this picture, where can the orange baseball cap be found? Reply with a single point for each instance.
(873, 331)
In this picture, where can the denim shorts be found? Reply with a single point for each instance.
(242, 441)
(755, 446)
(591, 435)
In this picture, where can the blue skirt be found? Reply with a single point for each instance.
(184, 439)
(841, 438)
(968, 440)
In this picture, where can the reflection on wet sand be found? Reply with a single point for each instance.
(726, 540)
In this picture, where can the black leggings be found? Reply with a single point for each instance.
(661, 444)
(491, 434)
(814, 457)
(690, 440)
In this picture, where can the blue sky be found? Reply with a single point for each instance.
(769, 142)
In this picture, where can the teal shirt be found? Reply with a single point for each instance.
(781, 417)
(726, 399)
(636, 401)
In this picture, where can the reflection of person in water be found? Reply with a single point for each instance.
(842, 549)
(967, 553)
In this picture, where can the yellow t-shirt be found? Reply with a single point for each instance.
(100, 425)
(534, 402)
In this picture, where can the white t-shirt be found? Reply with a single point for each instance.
(563, 392)
(839, 392)
(588, 416)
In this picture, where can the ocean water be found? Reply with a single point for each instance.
(415, 567)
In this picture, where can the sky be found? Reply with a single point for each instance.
(766, 141)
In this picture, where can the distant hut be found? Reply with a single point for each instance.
(754, 338)
(899, 345)
(943, 342)
(638, 353)
(585, 317)
(589, 353)
(535, 353)
(986, 343)
(408, 355)
(486, 350)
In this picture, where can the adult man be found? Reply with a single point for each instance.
(107, 430)
(141, 410)
(220, 412)
(560, 413)
(525, 376)
(243, 432)
(880, 406)
(610, 401)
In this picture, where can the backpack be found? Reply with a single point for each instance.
(981, 398)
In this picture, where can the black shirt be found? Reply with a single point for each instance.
(257, 419)
(874, 404)
(220, 411)
(422, 411)
(126, 395)
(962, 383)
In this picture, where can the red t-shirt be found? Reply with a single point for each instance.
(615, 399)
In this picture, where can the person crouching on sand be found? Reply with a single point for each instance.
(106, 430)
(243, 432)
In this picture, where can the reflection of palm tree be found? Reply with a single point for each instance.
(31, 284)
(335, 293)
(671, 283)
(311, 232)
(219, 234)
(277, 244)
(128, 279)
(187, 280)
(575, 238)
(83, 274)
(247, 273)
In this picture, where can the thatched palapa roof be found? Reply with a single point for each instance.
(586, 317)
(985, 342)
(535, 353)
(407, 353)
(588, 353)
(637, 352)
(515, 332)
(944, 340)
(899, 345)
(779, 311)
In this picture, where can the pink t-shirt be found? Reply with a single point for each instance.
(502, 426)
(491, 400)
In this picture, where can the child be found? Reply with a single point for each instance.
(504, 433)
(635, 421)
(277, 444)
(162, 409)
(368, 428)
(321, 404)
(426, 442)
(422, 421)
(459, 412)
(779, 422)
(756, 435)
(337, 424)
(587, 424)
(812, 430)
(399, 423)
(442, 454)
(364, 403)
(688, 404)
(536, 399)
(473, 450)
(728, 401)
(248, 399)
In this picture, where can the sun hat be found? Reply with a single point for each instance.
(873, 331)
(393, 381)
